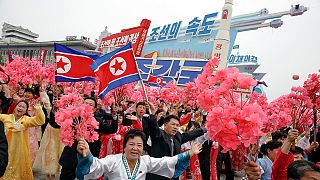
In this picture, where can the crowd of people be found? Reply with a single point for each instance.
(140, 140)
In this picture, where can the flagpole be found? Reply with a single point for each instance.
(55, 67)
(142, 85)
(144, 90)
(153, 63)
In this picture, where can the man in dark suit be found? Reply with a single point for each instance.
(141, 110)
(68, 159)
(3, 150)
(204, 160)
(168, 142)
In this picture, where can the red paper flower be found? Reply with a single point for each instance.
(75, 118)
(235, 116)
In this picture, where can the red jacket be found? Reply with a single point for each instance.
(185, 120)
(280, 165)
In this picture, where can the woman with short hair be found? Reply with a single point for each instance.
(131, 164)
(17, 125)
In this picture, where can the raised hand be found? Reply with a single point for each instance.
(252, 170)
(132, 117)
(83, 147)
(159, 115)
(292, 135)
(196, 148)
(314, 145)
(37, 105)
(152, 108)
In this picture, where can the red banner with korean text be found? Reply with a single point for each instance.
(136, 35)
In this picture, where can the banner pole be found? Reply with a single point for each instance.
(142, 85)
(55, 68)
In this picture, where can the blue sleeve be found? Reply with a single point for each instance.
(83, 166)
(261, 163)
(182, 164)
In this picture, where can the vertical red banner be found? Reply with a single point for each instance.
(10, 58)
(42, 55)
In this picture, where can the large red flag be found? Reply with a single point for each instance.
(116, 69)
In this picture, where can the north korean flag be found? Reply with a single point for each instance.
(116, 69)
(155, 80)
(73, 65)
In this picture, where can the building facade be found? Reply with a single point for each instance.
(33, 49)
(23, 42)
(17, 34)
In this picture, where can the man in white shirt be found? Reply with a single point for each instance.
(304, 142)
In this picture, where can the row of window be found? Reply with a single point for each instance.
(49, 58)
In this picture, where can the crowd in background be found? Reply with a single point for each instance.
(30, 143)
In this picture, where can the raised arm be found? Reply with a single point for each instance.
(173, 166)
(189, 136)
(90, 167)
(284, 157)
(154, 129)
(104, 126)
(37, 120)
(136, 124)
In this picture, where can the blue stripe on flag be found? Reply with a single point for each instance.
(65, 79)
(119, 82)
(95, 65)
(65, 49)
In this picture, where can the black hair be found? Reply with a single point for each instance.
(133, 133)
(278, 135)
(113, 105)
(192, 123)
(26, 102)
(29, 90)
(297, 150)
(130, 102)
(285, 129)
(271, 145)
(297, 169)
(93, 99)
(168, 118)
(140, 104)
(121, 114)
(158, 111)
(204, 119)
(263, 149)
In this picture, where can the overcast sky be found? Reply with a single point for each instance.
(291, 49)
